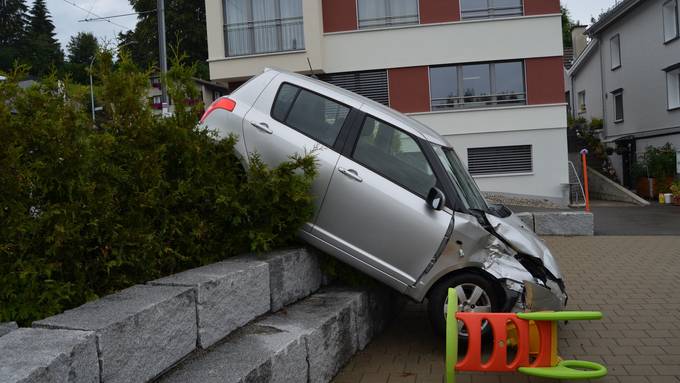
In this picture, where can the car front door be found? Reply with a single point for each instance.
(289, 119)
(375, 208)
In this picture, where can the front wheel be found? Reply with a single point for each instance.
(475, 294)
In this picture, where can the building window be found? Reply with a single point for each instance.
(582, 101)
(384, 13)
(673, 86)
(618, 105)
(370, 84)
(670, 20)
(567, 97)
(500, 160)
(309, 113)
(262, 26)
(477, 85)
(615, 49)
(484, 9)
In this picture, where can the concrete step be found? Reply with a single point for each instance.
(308, 341)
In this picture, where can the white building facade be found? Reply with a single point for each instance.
(486, 74)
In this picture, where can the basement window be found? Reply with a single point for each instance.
(500, 160)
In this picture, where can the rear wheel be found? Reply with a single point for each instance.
(475, 294)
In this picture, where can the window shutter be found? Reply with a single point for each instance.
(500, 160)
(370, 84)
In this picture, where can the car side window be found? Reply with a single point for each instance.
(395, 155)
(309, 113)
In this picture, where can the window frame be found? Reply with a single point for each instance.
(462, 12)
(494, 102)
(387, 25)
(421, 146)
(673, 70)
(348, 118)
(617, 93)
(616, 37)
(582, 108)
(677, 21)
(251, 34)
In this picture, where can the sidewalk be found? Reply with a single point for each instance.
(632, 280)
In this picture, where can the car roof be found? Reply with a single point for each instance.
(403, 121)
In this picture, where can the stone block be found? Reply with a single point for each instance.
(255, 353)
(7, 327)
(527, 218)
(563, 223)
(229, 295)
(141, 331)
(293, 275)
(40, 355)
(328, 320)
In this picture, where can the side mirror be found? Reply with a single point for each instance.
(436, 199)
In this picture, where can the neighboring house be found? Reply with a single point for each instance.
(209, 91)
(487, 74)
(629, 76)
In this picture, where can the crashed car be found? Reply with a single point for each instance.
(392, 197)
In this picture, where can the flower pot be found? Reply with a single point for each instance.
(668, 198)
(643, 190)
(676, 200)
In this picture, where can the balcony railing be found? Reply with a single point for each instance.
(388, 21)
(491, 12)
(465, 102)
(260, 37)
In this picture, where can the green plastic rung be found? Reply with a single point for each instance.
(451, 337)
(561, 315)
(568, 369)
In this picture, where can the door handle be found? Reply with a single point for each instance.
(262, 126)
(351, 173)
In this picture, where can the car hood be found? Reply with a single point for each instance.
(524, 240)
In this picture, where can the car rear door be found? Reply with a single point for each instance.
(293, 116)
(375, 208)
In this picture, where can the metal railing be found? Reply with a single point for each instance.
(575, 187)
(388, 21)
(462, 102)
(266, 36)
(490, 12)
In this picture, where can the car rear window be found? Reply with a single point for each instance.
(309, 113)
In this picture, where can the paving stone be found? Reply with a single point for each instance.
(229, 295)
(40, 355)
(7, 327)
(293, 275)
(563, 223)
(141, 331)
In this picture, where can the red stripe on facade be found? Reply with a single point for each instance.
(409, 89)
(545, 80)
(541, 7)
(439, 11)
(339, 15)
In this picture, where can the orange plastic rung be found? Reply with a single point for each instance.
(497, 361)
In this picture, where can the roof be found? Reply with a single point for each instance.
(583, 57)
(611, 15)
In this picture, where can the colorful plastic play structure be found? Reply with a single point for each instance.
(533, 336)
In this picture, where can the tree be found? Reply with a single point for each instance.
(185, 27)
(81, 49)
(567, 24)
(13, 21)
(42, 50)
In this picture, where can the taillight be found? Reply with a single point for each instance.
(221, 103)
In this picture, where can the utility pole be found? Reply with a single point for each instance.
(160, 7)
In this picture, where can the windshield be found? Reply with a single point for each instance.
(465, 186)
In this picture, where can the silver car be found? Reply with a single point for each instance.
(392, 198)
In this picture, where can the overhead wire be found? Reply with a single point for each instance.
(94, 14)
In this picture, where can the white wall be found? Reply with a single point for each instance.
(432, 44)
(588, 77)
(543, 127)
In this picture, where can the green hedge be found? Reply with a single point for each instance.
(88, 210)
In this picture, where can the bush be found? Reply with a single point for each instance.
(86, 211)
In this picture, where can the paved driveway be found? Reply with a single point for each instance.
(634, 281)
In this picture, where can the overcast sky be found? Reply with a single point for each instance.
(66, 16)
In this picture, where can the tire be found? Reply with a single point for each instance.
(473, 286)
